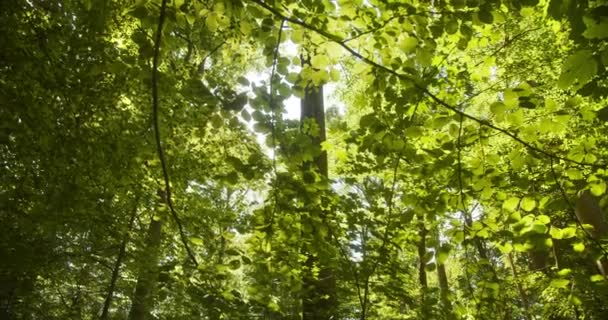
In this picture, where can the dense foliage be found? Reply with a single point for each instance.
(148, 170)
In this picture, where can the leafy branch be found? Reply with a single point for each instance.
(418, 86)
(159, 146)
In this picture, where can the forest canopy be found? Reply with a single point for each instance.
(448, 160)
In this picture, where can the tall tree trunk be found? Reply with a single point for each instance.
(422, 268)
(148, 274)
(421, 256)
(319, 300)
(444, 287)
(520, 288)
(116, 270)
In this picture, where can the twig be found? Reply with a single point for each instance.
(159, 147)
(507, 43)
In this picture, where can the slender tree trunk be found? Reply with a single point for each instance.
(148, 274)
(520, 289)
(444, 287)
(422, 268)
(319, 300)
(116, 270)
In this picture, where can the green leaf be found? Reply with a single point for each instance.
(598, 189)
(577, 70)
(510, 204)
(212, 22)
(452, 26)
(506, 248)
(485, 15)
(319, 61)
(458, 236)
(243, 81)
(334, 75)
(442, 254)
(564, 272)
(196, 241)
(408, 44)
(597, 278)
(578, 247)
(543, 219)
(232, 252)
(559, 283)
(538, 228)
(568, 232)
(522, 247)
(528, 204)
(596, 29)
(234, 264)
(555, 233)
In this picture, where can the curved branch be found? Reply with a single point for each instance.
(159, 147)
(418, 86)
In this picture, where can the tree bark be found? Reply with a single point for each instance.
(148, 274)
(319, 301)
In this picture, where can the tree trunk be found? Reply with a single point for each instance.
(319, 301)
(116, 270)
(148, 274)
(442, 277)
(588, 211)
(520, 288)
(421, 255)
(444, 287)
(422, 269)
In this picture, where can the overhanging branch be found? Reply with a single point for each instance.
(417, 85)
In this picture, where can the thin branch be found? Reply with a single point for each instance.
(384, 24)
(202, 65)
(159, 147)
(271, 96)
(417, 85)
(507, 43)
(273, 124)
(387, 21)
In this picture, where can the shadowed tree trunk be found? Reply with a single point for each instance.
(421, 256)
(422, 277)
(444, 287)
(588, 211)
(319, 301)
(148, 273)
